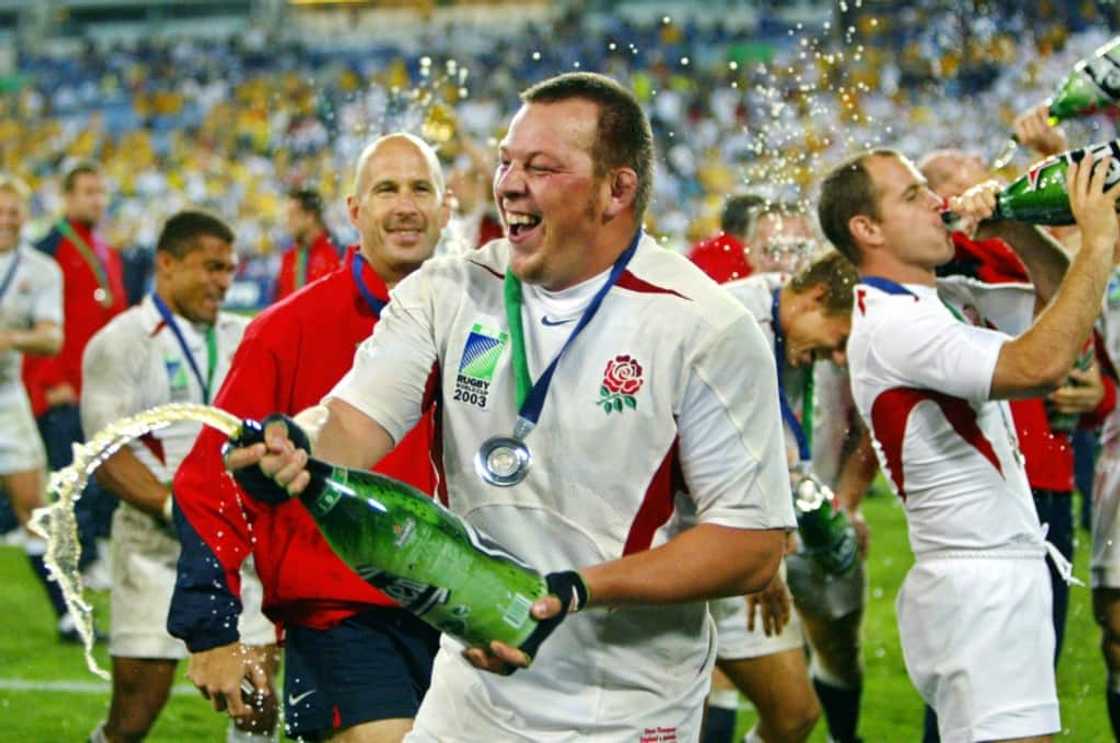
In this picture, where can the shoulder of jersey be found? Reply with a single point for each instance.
(492, 258)
(40, 263)
(659, 271)
(128, 326)
(755, 292)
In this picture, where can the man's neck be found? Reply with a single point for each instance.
(899, 272)
(599, 258)
(79, 222)
(381, 268)
(789, 305)
(308, 239)
(165, 295)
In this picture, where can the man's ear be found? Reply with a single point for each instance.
(623, 184)
(445, 208)
(865, 230)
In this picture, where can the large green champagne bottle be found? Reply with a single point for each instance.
(431, 561)
(1092, 85)
(1039, 196)
(827, 535)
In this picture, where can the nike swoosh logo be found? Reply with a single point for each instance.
(552, 323)
(293, 701)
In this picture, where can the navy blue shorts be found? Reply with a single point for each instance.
(375, 665)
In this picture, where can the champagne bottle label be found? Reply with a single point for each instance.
(1040, 196)
(1104, 71)
(1093, 84)
(322, 505)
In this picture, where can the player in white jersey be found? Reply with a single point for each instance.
(30, 322)
(175, 346)
(1105, 562)
(930, 366)
(804, 318)
(658, 468)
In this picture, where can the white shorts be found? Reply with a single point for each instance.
(978, 642)
(458, 707)
(735, 642)
(1104, 565)
(144, 558)
(21, 448)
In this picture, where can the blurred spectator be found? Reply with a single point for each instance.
(313, 253)
(93, 293)
(724, 255)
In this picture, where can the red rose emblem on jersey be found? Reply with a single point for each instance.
(621, 381)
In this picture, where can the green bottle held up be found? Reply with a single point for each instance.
(1039, 196)
(1091, 86)
(431, 561)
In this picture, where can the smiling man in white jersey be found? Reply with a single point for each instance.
(658, 474)
(928, 376)
(30, 323)
(175, 346)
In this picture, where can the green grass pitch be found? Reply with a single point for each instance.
(47, 695)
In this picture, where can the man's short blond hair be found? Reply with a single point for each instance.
(16, 186)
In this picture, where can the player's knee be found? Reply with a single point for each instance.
(130, 726)
(794, 722)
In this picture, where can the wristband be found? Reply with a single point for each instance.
(570, 588)
(251, 479)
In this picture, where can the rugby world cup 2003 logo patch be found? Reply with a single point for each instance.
(621, 381)
(476, 367)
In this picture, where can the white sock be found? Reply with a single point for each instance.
(34, 546)
(752, 736)
(235, 735)
(98, 734)
(724, 698)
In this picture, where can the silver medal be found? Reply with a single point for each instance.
(503, 461)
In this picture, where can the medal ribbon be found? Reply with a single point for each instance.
(802, 429)
(374, 303)
(301, 267)
(211, 348)
(531, 397)
(89, 257)
(11, 273)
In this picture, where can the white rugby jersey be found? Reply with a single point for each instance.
(694, 437)
(833, 408)
(34, 295)
(921, 379)
(135, 363)
(1109, 327)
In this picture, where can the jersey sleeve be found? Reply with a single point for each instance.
(111, 378)
(391, 368)
(921, 345)
(47, 303)
(1008, 307)
(212, 528)
(732, 446)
